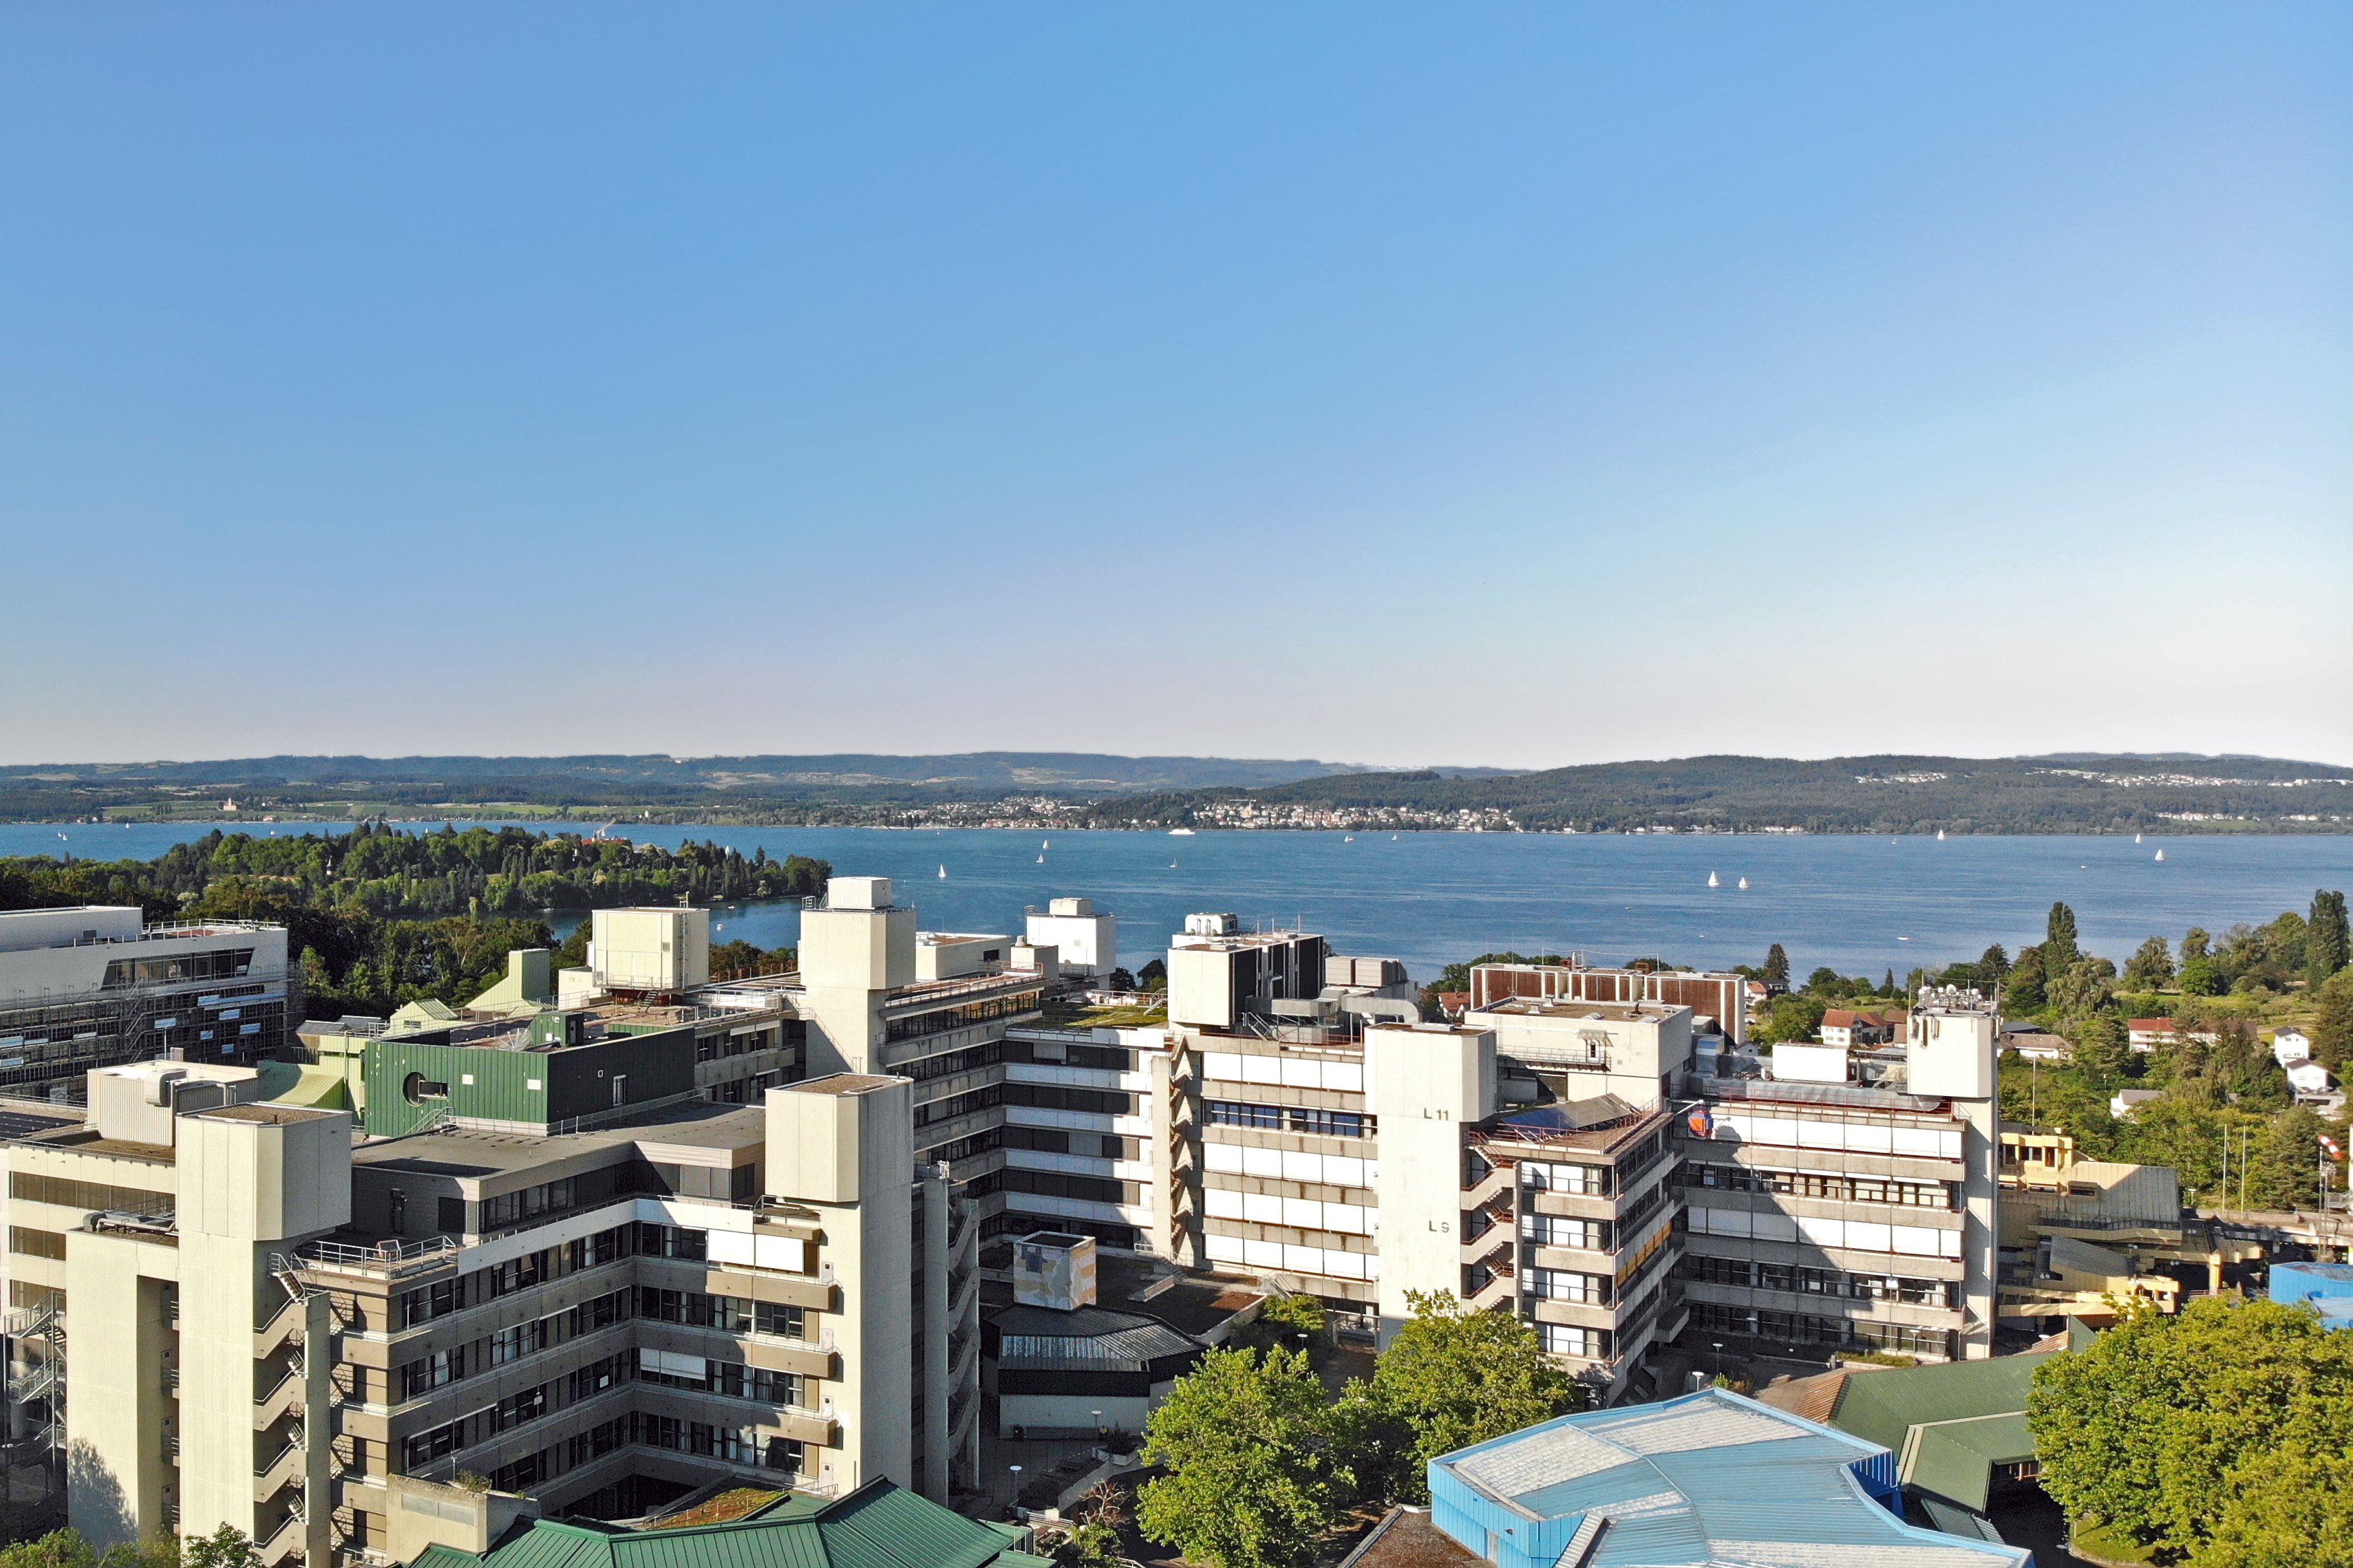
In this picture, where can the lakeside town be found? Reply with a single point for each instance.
(652, 1232)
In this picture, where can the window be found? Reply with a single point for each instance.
(1553, 1230)
(1560, 1285)
(599, 1376)
(436, 1371)
(517, 1342)
(672, 1241)
(508, 1208)
(1566, 1339)
(71, 1194)
(1286, 1119)
(1589, 1181)
(34, 1242)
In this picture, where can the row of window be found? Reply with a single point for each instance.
(961, 1016)
(1553, 1230)
(1070, 1053)
(1056, 1141)
(1568, 1339)
(731, 1313)
(947, 1064)
(1288, 1119)
(1577, 1181)
(443, 1297)
(932, 1112)
(1839, 1188)
(1062, 1185)
(1804, 1329)
(68, 1194)
(1061, 1097)
(1749, 1274)
(511, 1342)
(1563, 1285)
(732, 1379)
(225, 964)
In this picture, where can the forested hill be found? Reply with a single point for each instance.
(843, 787)
(2069, 794)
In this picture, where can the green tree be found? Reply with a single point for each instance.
(2332, 1029)
(2194, 943)
(2289, 1508)
(1252, 1481)
(226, 1547)
(2327, 945)
(2102, 1046)
(1776, 973)
(1994, 965)
(2200, 976)
(2150, 968)
(1454, 1376)
(2059, 949)
(2144, 1430)
(59, 1549)
(2025, 993)
(2083, 987)
(1793, 1016)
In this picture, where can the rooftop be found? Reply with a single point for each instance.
(465, 1152)
(1570, 1008)
(1408, 1538)
(1601, 1125)
(1948, 1425)
(879, 1525)
(1708, 1480)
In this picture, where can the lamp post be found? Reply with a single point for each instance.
(1016, 1506)
(1100, 1431)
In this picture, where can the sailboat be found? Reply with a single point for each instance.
(1744, 882)
(1042, 859)
(2136, 837)
(1045, 844)
(1712, 881)
(1940, 836)
(943, 873)
(2160, 854)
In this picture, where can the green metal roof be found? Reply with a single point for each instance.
(878, 1526)
(1884, 1405)
(1955, 1459)
(1949, 1424)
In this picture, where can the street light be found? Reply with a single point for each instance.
(1016, 1494)
(1100, 1432)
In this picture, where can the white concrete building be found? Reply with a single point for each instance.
(94, 986)
(1086, 940)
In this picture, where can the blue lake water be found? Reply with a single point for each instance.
(1859, 905)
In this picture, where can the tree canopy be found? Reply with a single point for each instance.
(1252, 1481)
(2173, 1430)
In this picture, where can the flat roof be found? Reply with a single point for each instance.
(1708, 1480)
(843, 1083)
(472, 1152)
(1569, 1008)
(268, 1114)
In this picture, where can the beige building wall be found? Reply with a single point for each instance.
(852, 952)
(120, 1480)
(1427, 1083)
(844, 1145)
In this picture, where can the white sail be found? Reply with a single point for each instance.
(1712, 881)
(1744, 882)
(944, 872)
(2160, 854)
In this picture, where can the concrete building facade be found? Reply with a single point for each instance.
(96, 985)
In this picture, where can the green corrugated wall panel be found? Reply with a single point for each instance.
(500, 1092)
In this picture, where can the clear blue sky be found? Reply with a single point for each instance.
(1387, 383)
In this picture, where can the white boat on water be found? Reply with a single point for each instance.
(2160, 854)
(1712, 881)
(943, 873)
(1744, 882)
(1181, 832)
(1042, 859)
(2136, 837)
(1940, 836)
